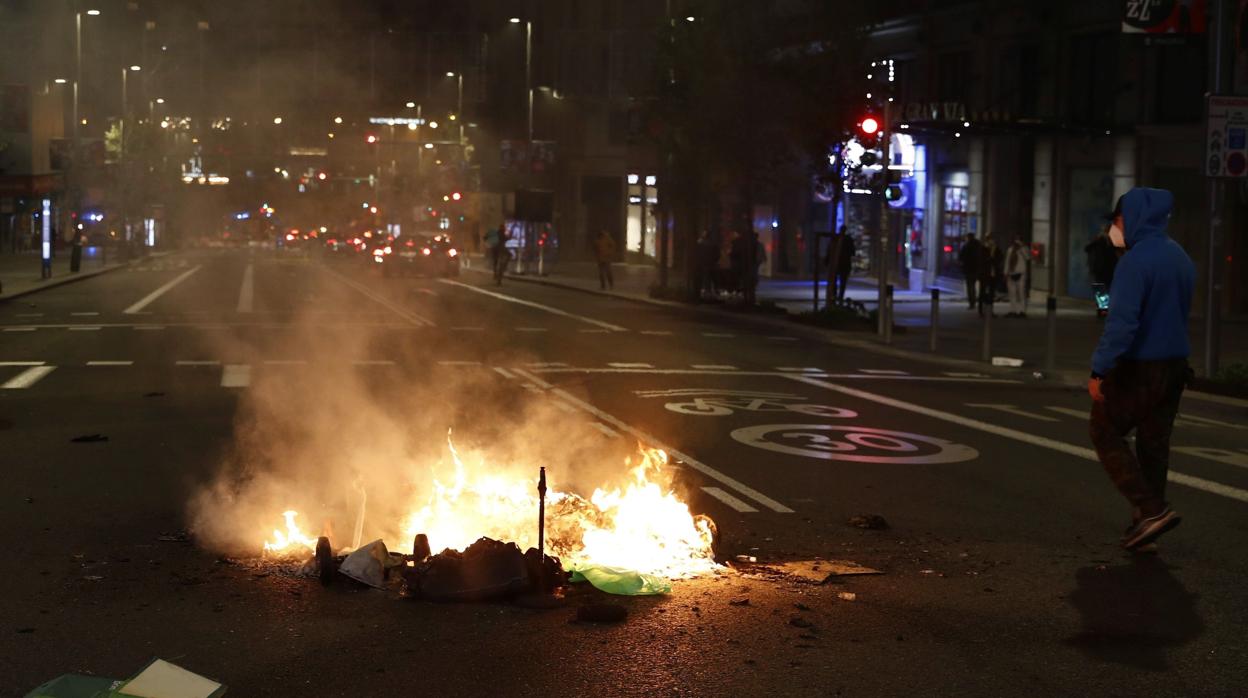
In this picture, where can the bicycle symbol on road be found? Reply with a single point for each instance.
(821, 441)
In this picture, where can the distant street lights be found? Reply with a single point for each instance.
(459, 101)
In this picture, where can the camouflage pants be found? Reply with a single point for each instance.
(1142, 396)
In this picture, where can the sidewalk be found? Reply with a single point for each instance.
(20, 272)
(960, 333)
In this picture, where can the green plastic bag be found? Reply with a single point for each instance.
(616, 580)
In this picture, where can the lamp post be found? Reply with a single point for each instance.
(121, 148)
(528, 69)
(459, 101)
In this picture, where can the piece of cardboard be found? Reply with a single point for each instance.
(160, 679)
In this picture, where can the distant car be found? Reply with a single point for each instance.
(417, 255)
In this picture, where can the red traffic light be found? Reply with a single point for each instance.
(870, 126)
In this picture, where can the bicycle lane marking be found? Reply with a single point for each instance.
(1062, 447)
(732, 483)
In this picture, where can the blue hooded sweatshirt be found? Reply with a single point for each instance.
(1151, 293)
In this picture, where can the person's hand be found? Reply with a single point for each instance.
(1094, 389)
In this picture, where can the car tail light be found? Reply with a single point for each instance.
(388, 250)
(426, 251)
(453, 252)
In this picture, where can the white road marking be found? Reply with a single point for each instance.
(467, 329)
(532, 329)
(588, 331)
(1011, 409)
(110, 363)
(20, 329)
(692, 462)
(246, 292)
(22, 363)
(722, 335)
(547, 364)
(376, 362)
(428, 292)
(285, 362)
(84, 328)
(197, 363)
(27, 378)
(147, 300)
(1179, 421)
(883, 372)
(1218, 455)
(731, 501)
(799, 369)
(539, 306)
(1060, 446)
(381, 300)
(1069, 411)
(236, 376)
(851, 376)
(620, 364)
(85, 314)
(564, 406)
(149, 327)
(504, 373)
(657, 333)
(957, 374)
(714, 367)
(606, 430)
(1205, 421)
(459, 363)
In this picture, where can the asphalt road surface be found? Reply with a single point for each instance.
(1002, 572)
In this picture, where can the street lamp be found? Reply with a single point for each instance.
(528, 68)
(459, 100)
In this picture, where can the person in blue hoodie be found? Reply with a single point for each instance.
(1140, 366)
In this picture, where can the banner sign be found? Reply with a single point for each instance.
(1226, 137)
(1164, 16)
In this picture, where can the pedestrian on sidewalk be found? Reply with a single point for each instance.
(496, 242)
(1102, 258)
(969, 257)
(604, 250)
(991, 264)
(1140, 367)
(840, 262)
(1016, 272)
(704, 264)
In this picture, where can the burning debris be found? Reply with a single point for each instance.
(624, 540)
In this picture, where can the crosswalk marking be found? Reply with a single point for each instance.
(731, 501)
(27, 378)
(236, 376)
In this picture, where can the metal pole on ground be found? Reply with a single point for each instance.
(986, 352)
(1050, 342)
(935, 321)
(887, 307)
(1218, 61)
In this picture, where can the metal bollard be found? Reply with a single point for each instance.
(886, 308)
(1050, 356)
(935, 321)
(986, 353)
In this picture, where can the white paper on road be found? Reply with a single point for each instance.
(164, 680)
(149, 298)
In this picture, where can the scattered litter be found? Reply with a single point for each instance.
(159, 679)
(88, 438)
(846, 596)
(820, 571)
(1006, 361)
(601, 613)
(615, 580)
(368, 564)
(739, 602)
(799, 622)
(486, 570)
(873, 522)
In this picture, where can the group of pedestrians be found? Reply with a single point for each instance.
(988, 271)
(722, 265)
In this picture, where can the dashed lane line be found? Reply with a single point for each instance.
(22, 363)
(731, 501)
(520, 301)
(1005, 432)
(20, 329)
(623, 364)
(732, 483)
(246, 292)
(799, 369)
(27, 378)
(110, 363)
(149, 298)
(84, 328)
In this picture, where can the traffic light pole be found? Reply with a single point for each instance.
(884, 312)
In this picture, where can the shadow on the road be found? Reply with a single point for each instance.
(1133, 612)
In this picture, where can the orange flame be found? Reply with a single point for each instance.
(292, 541)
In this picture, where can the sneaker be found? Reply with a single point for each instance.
(1149, 529)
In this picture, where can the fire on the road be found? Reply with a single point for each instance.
(642, 525)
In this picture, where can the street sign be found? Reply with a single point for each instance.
(1226, 137)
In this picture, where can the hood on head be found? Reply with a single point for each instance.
(1145, 213)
